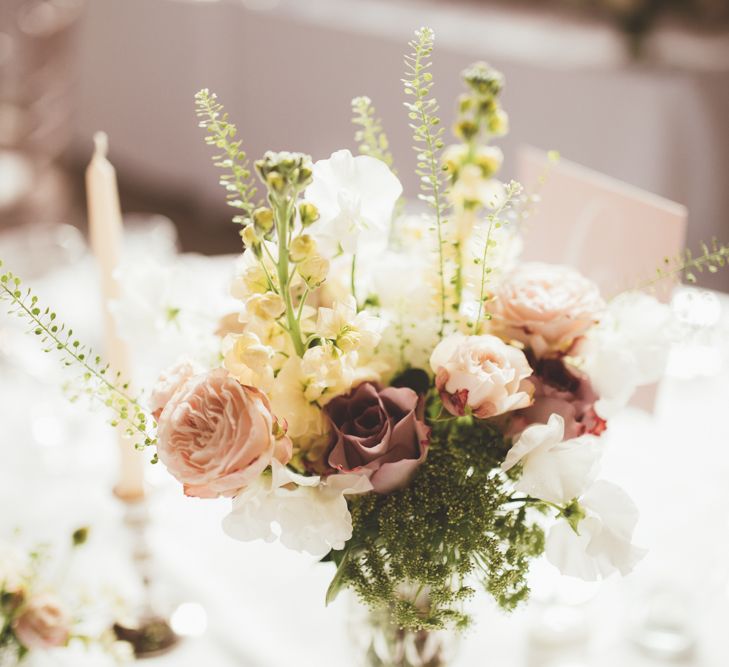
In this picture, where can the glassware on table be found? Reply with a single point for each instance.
(380, 643)
(36, 101)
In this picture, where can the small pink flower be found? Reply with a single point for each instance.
(481, 373)
(216, 435)
(43, 623)
(545, 306)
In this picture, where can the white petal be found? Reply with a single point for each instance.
(561, 473)
(567, 551)
(604, 544)
(535, 437)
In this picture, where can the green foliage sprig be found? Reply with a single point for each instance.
(494, 221)
(370, 136)
(428, 138)
(221, 133)
(713, 257)
(100, 382)
(446, 531)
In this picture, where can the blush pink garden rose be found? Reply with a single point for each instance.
(169, 382)
(481, 373)
(380, 433)
(545, 306)
(44, 623)
(216, 435)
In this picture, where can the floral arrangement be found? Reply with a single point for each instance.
(398, 394)
(33, 615)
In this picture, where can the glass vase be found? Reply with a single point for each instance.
(380, 643)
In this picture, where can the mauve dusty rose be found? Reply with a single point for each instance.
(378, 432)
(563, 390)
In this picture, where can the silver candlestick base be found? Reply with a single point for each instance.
(148, 630)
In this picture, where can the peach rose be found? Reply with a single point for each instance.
(482, 373)
(43, 623)
(545, 306)
(169, 382)
(216, 435)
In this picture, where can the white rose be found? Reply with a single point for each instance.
(482, 373)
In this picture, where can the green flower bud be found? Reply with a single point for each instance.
(275, 182)
(465, 129)
(305, 176)
(302, 247)
(498, 123)
(280, 171)
(484, 79)
(308, 213)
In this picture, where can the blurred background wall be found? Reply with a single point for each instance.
(655, 115)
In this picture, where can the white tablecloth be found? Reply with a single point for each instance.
(265, 604)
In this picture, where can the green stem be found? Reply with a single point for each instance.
(283, 212)
(493, 218)
(536, 501)
(302, 303)
(353, 280)
(64, 347)
(435, 182)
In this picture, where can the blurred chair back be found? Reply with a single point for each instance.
(612, 232)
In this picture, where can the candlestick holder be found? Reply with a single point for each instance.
(148, 630)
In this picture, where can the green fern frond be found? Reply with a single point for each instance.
(428, 138)
(370, 136)
(100, 382)
(221, 134)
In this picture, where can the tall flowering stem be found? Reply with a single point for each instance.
(221, 134)
(370, 136)
(285, 175)
(101, 383)
(429, 142)
(513, 190)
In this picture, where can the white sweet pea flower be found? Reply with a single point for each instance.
(603, 541)
(311, 514)
(353, 195)
(348, 329)
(553, 469)
(629, 348)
